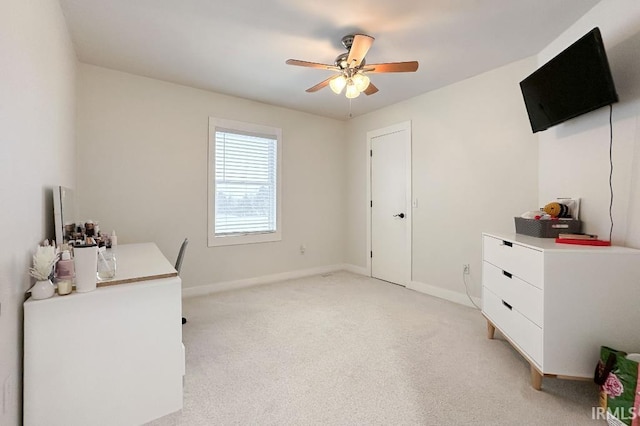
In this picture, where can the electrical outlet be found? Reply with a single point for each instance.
(465, 269)
(303, 248)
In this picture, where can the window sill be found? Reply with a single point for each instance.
(233, 240)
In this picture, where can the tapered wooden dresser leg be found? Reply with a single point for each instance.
(536, 378)
(491, 329)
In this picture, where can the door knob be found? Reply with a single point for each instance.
(400, 215)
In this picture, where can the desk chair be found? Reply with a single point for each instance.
(183, 248)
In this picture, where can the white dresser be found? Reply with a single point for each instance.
(558, 303)
(112, 356)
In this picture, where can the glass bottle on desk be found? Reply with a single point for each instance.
(106, 263)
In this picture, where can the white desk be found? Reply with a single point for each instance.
(113, 356)
(139, 262)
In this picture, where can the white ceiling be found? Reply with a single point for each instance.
(239, 47)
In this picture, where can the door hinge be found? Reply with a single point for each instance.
(371, 153)
(371, 254)
(371, 203)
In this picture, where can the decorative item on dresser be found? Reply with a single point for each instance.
(44, 260)
(557, 304)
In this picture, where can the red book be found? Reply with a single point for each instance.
(583, 242)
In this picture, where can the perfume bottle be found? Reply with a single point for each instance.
(65, 272)
(65, 269)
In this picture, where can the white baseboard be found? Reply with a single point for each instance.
(443, 293)
(265, 279)
(360, 270)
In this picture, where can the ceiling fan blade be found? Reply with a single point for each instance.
(370, 90)
(322, 84)
(359, 48)
(312, 65)
(411, 66)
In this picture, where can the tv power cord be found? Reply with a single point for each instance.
(465, 272)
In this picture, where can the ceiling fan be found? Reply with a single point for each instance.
(352, 69)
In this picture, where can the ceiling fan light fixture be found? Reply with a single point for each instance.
(337, 84)
(352, 90)
(352, 69)
(361, 82)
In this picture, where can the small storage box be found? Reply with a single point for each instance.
(547, 228)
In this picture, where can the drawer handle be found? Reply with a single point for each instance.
(507, 243)
(507, 274)
(507, 305)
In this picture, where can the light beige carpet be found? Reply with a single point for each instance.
(344, 349)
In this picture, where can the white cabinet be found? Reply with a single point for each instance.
(558, 303)
(113, 356)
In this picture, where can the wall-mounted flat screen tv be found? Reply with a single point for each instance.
(576, 81)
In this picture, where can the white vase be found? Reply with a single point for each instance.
(42, 289)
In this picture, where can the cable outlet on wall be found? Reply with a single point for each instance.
(466, 269)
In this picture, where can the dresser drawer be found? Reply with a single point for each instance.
(521, 295)
(520, 261)
(520, 331)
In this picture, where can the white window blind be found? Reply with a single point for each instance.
(245, 183)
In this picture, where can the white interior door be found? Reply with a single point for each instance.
(391, 204)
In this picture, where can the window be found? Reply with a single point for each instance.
(244, 183)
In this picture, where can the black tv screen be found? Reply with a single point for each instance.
(576, 81)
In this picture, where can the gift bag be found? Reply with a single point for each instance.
(618, 379)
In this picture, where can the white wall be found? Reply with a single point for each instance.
(574, 156)
(37, 152)
(474, 169)
(142, 169)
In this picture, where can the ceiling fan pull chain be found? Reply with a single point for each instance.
(350, 115)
